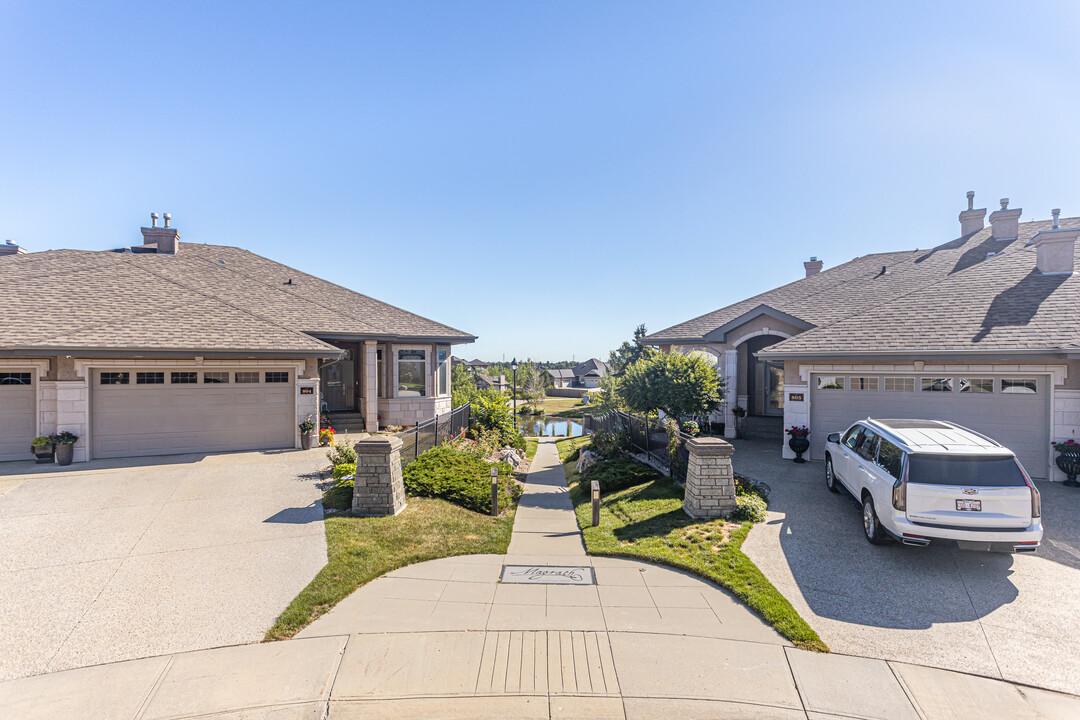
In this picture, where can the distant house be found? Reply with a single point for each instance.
(583, 375)
(500, 383)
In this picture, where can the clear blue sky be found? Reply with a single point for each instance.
(545, 175)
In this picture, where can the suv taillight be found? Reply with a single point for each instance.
(899, 491)
(1036, 498)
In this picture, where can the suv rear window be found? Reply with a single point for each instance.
(964, 470)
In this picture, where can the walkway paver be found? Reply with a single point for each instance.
(444, 639)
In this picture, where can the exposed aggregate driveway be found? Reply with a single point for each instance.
(1004, 616)
(112, 560)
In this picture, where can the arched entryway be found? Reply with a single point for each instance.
(761, 387)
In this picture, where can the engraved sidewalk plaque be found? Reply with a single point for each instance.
(548, 575)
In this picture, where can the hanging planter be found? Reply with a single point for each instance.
(799, 441)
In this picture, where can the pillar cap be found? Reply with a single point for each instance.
(379, 445)
(709, 447)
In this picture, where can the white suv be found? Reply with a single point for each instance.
(923, 480)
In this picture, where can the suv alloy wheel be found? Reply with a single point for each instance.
(871, 525)
(830, 476)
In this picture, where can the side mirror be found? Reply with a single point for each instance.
(834, 438)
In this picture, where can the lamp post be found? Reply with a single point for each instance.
(513, 366)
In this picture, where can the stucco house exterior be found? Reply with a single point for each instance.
(585, 374)
(979, 330)
(170, 347)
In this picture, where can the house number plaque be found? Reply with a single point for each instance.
(795, 397)
(307, 391)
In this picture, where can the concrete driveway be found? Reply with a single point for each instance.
(1003, 616)
(112, 560)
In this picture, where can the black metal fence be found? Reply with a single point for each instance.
(433, 432)
(648, 436)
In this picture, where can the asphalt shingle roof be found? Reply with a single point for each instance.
(206, 297)
(949, 298)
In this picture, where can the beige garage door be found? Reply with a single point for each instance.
(1015, 411)
(163, 412)
(17, 407)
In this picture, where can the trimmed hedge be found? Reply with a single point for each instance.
(618, 473)
(461, 477)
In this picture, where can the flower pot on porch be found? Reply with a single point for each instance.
(44, 453)
(799, 445)
(1069, 463)
(65, 453)
(307, 440)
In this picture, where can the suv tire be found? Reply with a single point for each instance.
(830, 476)
(871, 525)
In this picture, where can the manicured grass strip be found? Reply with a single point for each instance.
(647, 522)
(566, 407)
(530, 447)
(361, 549)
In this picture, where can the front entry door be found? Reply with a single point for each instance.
(337, 384)
(774, 389)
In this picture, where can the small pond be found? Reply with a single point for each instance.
(542, 425)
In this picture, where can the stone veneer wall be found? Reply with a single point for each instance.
(378, 488)
(410, 411)
(710, 481)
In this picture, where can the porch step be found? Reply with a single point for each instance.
(762, 427)
(352, 422)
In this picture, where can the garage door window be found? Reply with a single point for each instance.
(215, 377)
(936, 384)
(900, 384)
(977, 385)
(830, 382)
(150, 378)
(14, 378)
(113, 378)
(1026, 386)
(247, 377)
(184, 378)
(864, 383)
(277, 377)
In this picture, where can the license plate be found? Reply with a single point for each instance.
(973, 505)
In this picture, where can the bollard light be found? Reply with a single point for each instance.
(495, 492)
(595, 503)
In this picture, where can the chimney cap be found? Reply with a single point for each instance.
(167, 217)
(9, 242)
(1055, 213)
(1004, 203)
(971, 199)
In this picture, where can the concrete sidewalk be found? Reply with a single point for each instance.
(446, 639)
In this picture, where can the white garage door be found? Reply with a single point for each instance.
(1012, 410)
(162, 412)
(18, 404)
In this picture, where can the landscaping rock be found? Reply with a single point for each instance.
(515, 458)
(586, 459)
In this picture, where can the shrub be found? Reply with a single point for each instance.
(344, 470)
(749, 507)
(339, 497)
(611, 444)
(618, 473)
(342, 453)
(461, 477)
(745, 487)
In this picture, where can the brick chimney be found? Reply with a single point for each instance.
(813, 266)
(167, 239)
(1005, 223)
(10, 248)
(1055, 248)
(971, 220)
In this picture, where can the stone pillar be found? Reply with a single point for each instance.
(378, 488)
(710, 482)
(731, 391)
(371, 387)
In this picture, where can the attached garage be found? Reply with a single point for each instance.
(1013, 410)
(163, 411)
(18, 407)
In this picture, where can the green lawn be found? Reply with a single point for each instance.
(362, 549)
(565, 407)
(530, 447)
(647, 522)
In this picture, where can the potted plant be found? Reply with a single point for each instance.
(799, 441)
(326, 436)
(42, 447)
(65, 447)
(307, 432)
(1068, 460)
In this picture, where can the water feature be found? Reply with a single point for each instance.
(543, 425)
